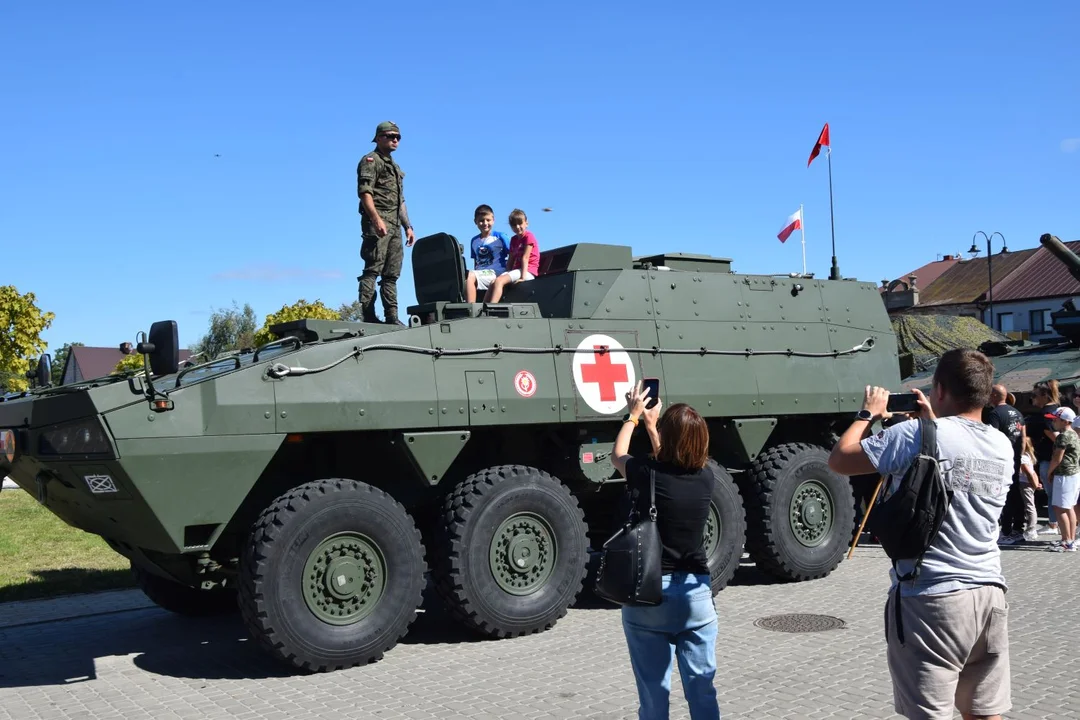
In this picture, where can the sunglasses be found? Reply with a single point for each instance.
(391, 137)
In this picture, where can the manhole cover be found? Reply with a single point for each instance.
(797, 623)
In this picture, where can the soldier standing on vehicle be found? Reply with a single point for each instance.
(379, 185)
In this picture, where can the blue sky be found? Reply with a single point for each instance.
(679, 126)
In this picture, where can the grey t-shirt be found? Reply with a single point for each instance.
(976, 463)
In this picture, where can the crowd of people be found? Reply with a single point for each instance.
(1046, 450)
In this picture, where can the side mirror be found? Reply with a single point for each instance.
(43, 376)
(163, 346)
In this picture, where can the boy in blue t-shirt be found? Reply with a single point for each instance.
(489, 251)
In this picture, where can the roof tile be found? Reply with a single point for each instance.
(967, 280)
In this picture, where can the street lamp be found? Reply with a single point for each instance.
(973, 251)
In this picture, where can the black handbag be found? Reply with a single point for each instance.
(630, 572)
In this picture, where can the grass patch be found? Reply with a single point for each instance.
(42, 556)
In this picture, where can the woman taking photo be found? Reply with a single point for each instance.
(683, 626)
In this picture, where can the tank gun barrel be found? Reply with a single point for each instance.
(1062, 253)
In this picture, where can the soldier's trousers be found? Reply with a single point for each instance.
(382, 259)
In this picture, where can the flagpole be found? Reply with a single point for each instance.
(802, 227)
(834, 274)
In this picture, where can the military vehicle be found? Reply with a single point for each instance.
(1019, 364)
(317, 479)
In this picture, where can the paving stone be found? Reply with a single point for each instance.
(114, 655)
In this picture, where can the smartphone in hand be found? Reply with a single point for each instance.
(903, 402)
(653, 386)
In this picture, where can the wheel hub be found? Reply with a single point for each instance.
(344, 578)
(522, 553)
(713, 529)
(811, 513)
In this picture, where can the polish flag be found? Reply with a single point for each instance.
(793, 223)
(823, 139)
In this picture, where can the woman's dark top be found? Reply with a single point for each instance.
(682, 507)
(1044, 446)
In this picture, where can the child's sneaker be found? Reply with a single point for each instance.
(1070, 547)
(1056, 547)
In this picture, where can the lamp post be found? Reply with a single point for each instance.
(973, 251)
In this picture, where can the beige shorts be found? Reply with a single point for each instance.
(955, 653)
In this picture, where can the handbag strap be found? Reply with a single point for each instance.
(652, 494)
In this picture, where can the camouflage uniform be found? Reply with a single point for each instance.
(380, 176)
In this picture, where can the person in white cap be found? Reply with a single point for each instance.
(1065, 469)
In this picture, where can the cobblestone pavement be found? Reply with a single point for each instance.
(112, 655)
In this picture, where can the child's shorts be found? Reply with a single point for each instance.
(515, 275)
(1066, 491)
(484, 278)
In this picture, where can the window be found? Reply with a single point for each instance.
(1005, 322)
(1040, 322)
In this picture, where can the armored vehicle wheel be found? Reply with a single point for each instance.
(332, 575)
(725, 530)
(799, 513)
(513, 551)
(181, 599)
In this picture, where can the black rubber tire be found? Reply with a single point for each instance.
(768, 489)
(272, 567)
(182, 599)
(472, 513)
(725, 557)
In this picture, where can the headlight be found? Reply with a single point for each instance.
(86, 437)
(7, 445)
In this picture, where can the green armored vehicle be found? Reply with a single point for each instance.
(316, 480)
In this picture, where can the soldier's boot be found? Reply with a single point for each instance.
(388, 290)
(367, 299)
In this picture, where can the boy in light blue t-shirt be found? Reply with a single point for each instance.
(489, 251)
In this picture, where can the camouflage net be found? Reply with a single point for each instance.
(928, 337)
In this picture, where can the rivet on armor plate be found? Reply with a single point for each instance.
(284, 414)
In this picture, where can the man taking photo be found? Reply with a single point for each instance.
(955, 647)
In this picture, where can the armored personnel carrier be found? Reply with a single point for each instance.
(319, 480)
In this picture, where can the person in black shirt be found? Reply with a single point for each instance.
(1046, 397)
(684, 624)
(1009, 421)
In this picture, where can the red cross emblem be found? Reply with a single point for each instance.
(603, 373)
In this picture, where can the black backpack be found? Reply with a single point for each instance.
(908, 521)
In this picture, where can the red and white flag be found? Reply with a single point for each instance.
(823, 139)
(793, 223)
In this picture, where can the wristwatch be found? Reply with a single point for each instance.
(864, 415)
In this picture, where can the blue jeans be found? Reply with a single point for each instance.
(683, 627)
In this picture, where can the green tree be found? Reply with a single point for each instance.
(21, 325)
(230, 329)
(351, 312)
(299, 310)
(59, 360)
(128, 362)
